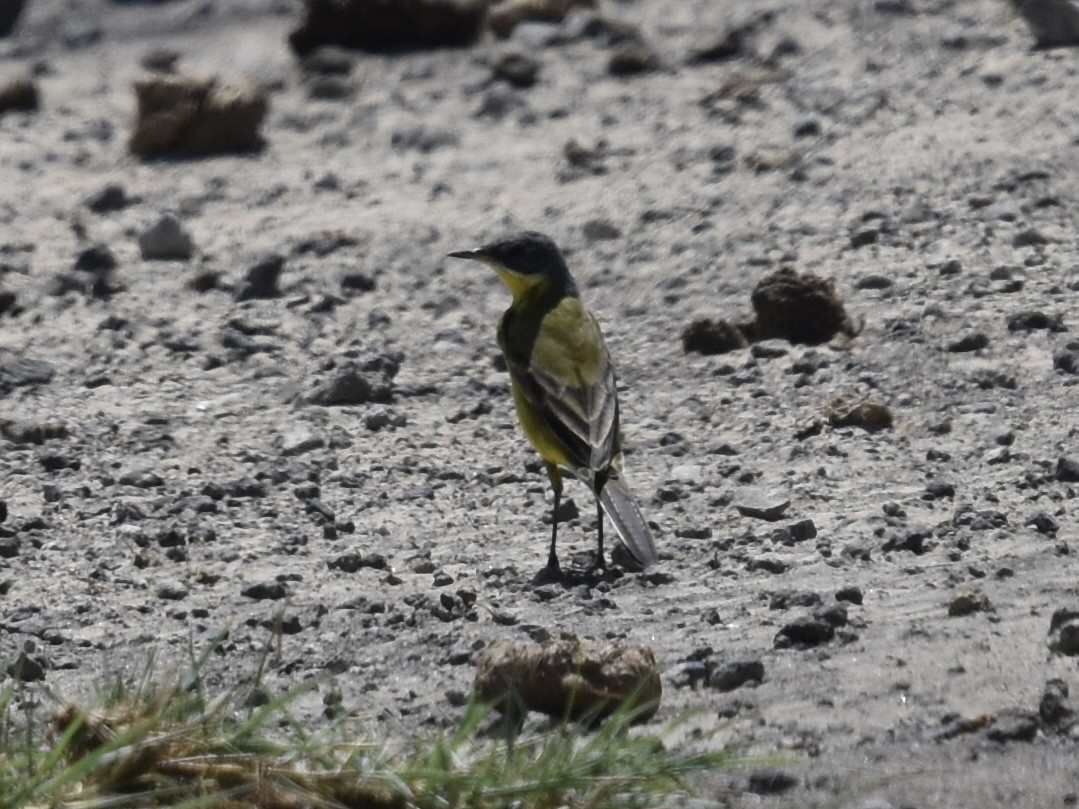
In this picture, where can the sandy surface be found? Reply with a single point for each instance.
(919, 152)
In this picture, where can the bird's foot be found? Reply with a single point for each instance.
(552, 574)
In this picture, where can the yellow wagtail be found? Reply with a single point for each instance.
(563, 385)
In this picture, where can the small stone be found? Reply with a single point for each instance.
(1031, 237)
(597, 230)
(267, 590)
(1014, 725)
(111, 198)
(299, 441)
(771, 782)
(730, 676)
(1034, 320)
(970, 342)
(968, 603)
(1066, 360)
(1041, 522)
(762, 504)
(351, 562)
(172, 592)
(1053, 708)
(261, 279)
(19, 93)
(516, 67)
(26, 669)
(166, 240)
(97, 260)
(851, 594)
(804, 632)
(632, 58)
(937, 489)
(1068, 470)
(141, 479)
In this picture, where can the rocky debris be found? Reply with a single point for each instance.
(17, 372)
(112, 197)
(1068, 469)
(761, 503)
(516, 68)
(975, 341)
(26, 669)
(804, 632)
(18, 94)
(968, 602)
(845, 411)
(26, 431)
(505, 15)
(1054, 23)
(356, 383)
(706, 336)
(799, 308)
(1053, 707)
(568, 677)
(388, 25)
(265, 591)
(9, 15)
(1035, 320)
(1064, 631)
(166, 240)
(261, 279)
(632, 58)
(197, 116)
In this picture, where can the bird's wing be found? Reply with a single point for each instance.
(568, 378)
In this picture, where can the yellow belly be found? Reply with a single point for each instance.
(545, 442)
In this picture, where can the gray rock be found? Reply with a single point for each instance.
(261, 279)
(804, 632)
(1068, 470)
(300, 440)
(761, 503)
(265, 591)
(729, 676)
(166, 240)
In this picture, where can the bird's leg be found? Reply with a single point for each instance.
(554, 570)
(599, 563)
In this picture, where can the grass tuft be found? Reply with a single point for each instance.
(175, 747)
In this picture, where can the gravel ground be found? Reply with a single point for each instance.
(325, 468)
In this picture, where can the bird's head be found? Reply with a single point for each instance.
(528, 263)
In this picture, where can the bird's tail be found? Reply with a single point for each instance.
(620, 505)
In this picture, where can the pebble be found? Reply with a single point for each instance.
(804, 632)
(112, 197)
(166, 240)
(851, 593)
(267, 590)
(1068, 470)
(26, 669)
(141, 479)
(969, 342)
(516, 67)
(968, 603)
(300, 440)
(729, 676)
(261, 279)
(97, 259)
(761, 503)
(1053, 708)
(352, 561)
(172, 592)
(1034, 321)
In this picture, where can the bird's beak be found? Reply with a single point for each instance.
(475, 255)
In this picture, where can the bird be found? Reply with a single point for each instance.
(564, 387)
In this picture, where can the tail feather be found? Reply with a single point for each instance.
(620, 505)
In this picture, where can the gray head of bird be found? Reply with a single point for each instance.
(527, 262)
